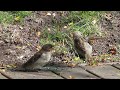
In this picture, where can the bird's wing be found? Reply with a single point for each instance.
(80, 44)
(33, 59)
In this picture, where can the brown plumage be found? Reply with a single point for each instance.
(40, 59)
(83, 48)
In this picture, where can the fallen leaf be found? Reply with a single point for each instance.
(65, 26)
(91, 42)
(70, 23)
(54, 14)
(3, 70)
(53, 51)
(65, 61)
(71, 77)
(94, 21)
(21, 27)
(20, 57)
(38, 34)
(38, 47)
(72, 64)
(17, 18)
(8, 66)
(103, 60)
(108, 16)
(49, 29)
(28, 44)
(76, 58)
(18, 47)
(49, 14)
(112, 51)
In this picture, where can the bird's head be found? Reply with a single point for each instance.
(48, 47)
(77, 34)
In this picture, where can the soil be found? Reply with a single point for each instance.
(19, 42)
(110, 43)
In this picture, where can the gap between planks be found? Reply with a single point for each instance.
(91, 72)
(5, 75)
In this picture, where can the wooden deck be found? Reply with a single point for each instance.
(81, 72)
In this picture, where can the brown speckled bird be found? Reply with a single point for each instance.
(40, 59)
(83, 48)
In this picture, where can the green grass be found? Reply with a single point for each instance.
(12, 17)
(83, 21)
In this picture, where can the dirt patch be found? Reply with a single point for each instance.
(110, 24)
(17, 44)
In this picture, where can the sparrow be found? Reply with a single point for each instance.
(83, 48)
(39, 59)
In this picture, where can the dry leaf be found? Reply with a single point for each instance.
(38, 34)
(49, 29)
(53, 51)
(3, 70)
(49, 14)
(21, 27)
(54, 14)
(71, 77)
(18, 47)
(76, 59)
(70, 23)
(13, 65)
(91, 42)
(8, 66)
(94, 21)
(112, 51)
(108, 16)
(20, 57)
(72, 64)
(65, 61)
(28, 44)
(65, 26)
(38, 47)
(17, 18)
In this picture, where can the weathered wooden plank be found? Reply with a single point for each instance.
(116, 65)
(32, 75)
(2, 77)
(105, 71)
(75, 73)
